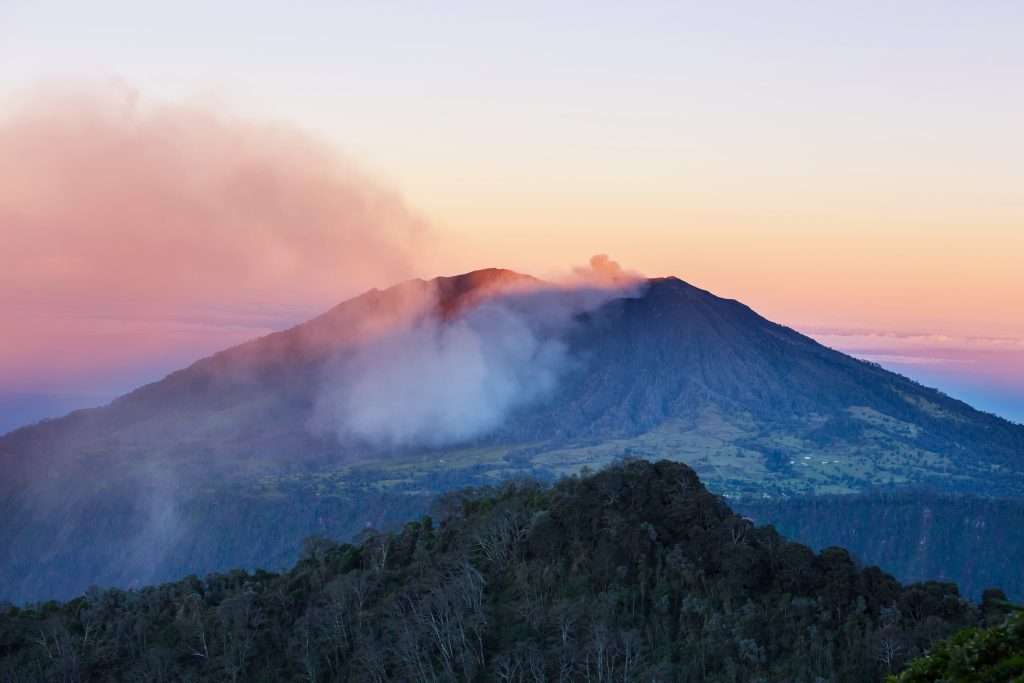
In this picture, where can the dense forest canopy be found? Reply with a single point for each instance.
(636, 573)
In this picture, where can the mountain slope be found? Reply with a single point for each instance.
(166, 473)
(976, 542)
(637, 573)
(679, 358)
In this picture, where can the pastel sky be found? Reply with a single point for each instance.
(854, 169)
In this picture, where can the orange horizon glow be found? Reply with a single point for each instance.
(138, 237)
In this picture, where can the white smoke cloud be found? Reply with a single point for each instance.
(440, 382)
(432, 381)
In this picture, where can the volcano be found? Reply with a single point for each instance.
(220, 464)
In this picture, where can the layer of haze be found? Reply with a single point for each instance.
(837, 166)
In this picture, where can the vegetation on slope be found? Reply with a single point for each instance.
(992, 655)
(635, 573)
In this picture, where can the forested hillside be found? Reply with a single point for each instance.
(991, 655)
(915, 535)
(637, 573)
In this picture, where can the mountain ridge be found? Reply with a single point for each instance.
(665, 369)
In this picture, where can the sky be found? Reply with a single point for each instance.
(175, 178)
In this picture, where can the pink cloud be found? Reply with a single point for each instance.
(124, 224)
(996, 362)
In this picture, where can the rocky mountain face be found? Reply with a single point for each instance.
(228, 462)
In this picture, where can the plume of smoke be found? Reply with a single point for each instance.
(123, 222)
(435, 381)
(439, 381)
(603, 272)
